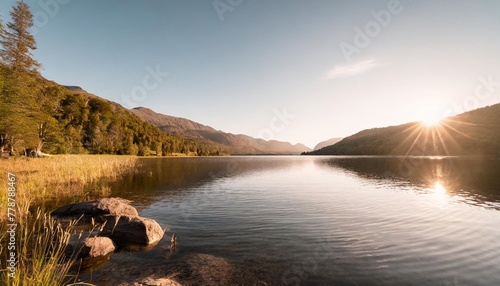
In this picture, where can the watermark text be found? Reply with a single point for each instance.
(11, 231)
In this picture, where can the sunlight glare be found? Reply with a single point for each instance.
(439, 189)
(439, 194)
(431, 111)
(431, 120)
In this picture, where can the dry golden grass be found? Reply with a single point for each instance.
(40, 250)
(41, 179)
(40, 241)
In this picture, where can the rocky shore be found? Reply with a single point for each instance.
(111, 226)
(105, 226)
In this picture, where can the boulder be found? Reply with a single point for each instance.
(90, 247)
(98, 246)
(106, 206)
(132, 230)
(119, 221)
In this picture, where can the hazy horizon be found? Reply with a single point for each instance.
(294, 71)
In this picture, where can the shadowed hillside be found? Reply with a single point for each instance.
(326, 143)
(475, 132)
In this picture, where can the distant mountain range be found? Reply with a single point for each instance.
(326, 143)
(475, 132)
(232, 143)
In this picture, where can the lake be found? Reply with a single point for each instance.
(317, 220)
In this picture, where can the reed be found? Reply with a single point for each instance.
(40, 240)
(40, 250)
(58, 177)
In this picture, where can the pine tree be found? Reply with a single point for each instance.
(2, 31)
(2, 39)
(18, 42)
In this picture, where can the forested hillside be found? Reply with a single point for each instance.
(43, 116)
(475, 132)
(37, 115)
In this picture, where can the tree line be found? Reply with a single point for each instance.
(37, 114)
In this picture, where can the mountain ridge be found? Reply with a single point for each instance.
(237, 144)
(326, 143)
(475, 132)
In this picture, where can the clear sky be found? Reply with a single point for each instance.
(298, 71)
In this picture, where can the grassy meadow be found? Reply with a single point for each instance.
(40, 241)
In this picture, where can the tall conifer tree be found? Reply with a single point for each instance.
(17, 42)
(2, 31)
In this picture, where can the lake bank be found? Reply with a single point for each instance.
(35, 186)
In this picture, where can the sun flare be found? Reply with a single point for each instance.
(431, 110)
(432, 121)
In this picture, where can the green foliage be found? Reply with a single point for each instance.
(472, 133)
(78, 122)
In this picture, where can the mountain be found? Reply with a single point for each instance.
(327, 143)
(475, 132)
(75, 88)
(231, 143)
(38, 115)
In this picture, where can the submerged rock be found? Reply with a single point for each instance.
(98, 246)
(90, 247)
(152, 282)
(132, 230)
(206, 269)
(106, 206)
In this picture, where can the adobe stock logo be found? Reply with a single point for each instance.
(223, 6)
(277, 124)
(484, 90)
(50, 9)
(372, 29)
(139, 93)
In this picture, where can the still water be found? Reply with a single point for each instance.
(318, 220)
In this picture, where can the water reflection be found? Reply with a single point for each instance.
(439, 189)
(317, 220)
(179, 176)
(471, 180)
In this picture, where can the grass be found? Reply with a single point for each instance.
(59, 177)
(40, 250)
(40, 241)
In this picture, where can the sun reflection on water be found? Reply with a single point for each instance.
(439, 191)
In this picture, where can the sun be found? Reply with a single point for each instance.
(431, 117)
(431, 121)
(430, 109)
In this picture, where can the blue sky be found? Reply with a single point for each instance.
(298, 71)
